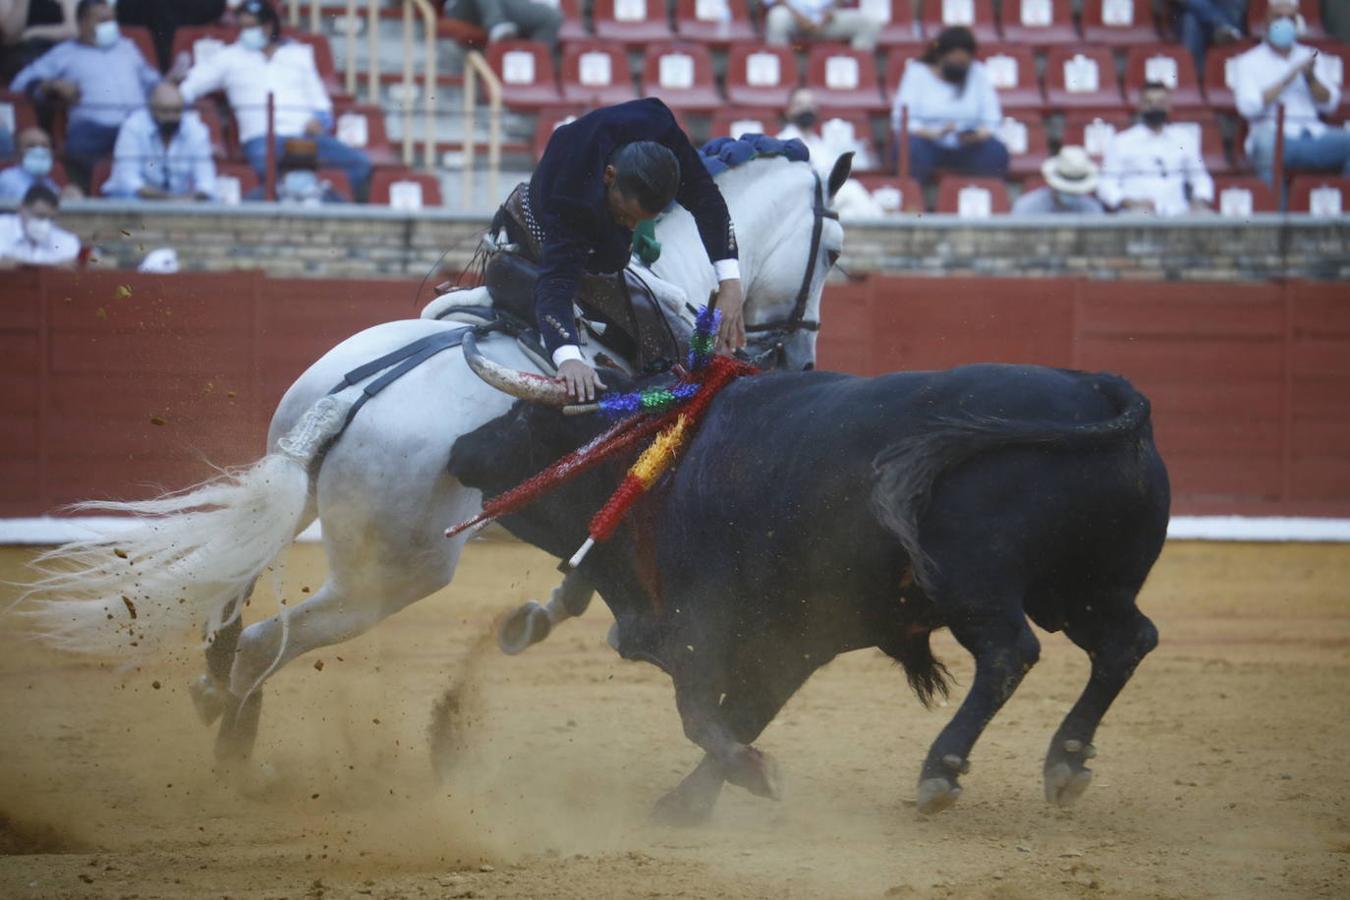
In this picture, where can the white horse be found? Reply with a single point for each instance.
(381, 491)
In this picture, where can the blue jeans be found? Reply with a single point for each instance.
(1201, 18)
(1328, 152)
(927, 157)
(332, 152)
(87, 143)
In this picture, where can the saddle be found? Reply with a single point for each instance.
(620, 306)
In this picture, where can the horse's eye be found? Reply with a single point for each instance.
(832, 257)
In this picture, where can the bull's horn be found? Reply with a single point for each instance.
(525, 385)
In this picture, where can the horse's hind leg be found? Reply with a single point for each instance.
(210, 691)
(1116, 636)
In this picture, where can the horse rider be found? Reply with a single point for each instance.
(600, 177)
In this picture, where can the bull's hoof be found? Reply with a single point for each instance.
(527, 625)
(683, 809)
(937, 794)
(757, 772)
(1064, 785)
(209, 700)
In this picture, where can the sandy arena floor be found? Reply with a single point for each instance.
(1222, 770)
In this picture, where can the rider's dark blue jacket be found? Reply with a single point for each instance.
(567, 197)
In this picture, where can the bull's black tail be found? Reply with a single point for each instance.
(907, 470)
(927, 676)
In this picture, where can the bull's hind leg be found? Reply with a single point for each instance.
(1116, 636)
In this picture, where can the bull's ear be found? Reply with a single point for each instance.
(843, 166)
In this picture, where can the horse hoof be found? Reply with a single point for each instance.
(525, 626)
(1063, 785)
(758, 773)
(612, 638)
(936, 794)
(207, 699)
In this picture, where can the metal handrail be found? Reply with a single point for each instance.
(430, 82)
(475, 65)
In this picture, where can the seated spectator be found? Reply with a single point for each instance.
(788, 20)
(164, 17)
(803, 118)
(298, 178)
(163, 153)
(1070, 179)
(261, 62)
(103, 78)
(30, 236)
(1206, 23)
(535, 20)
(1281, 71)
(29, 28)
(35, 167)
(953, 110)
(1155, 166)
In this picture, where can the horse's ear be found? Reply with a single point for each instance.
(843, 166)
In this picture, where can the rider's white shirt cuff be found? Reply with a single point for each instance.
(727, 269)
(566, 352)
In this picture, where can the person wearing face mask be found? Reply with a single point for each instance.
(1281, 71)
(263, 62)
(101, 77)
(163, 153)
(1070, 179)
(826, 145)
(1155, 166)
(35, 166)
(30, 236)
(953, 110)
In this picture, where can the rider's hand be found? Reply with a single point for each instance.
(582, 381)
(731, 336)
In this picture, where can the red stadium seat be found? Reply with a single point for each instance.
(210, 116)
(1212, 152)
(1081, 78)
(896, 62)
(894, 194)
(403, 188)
(972, 198)
(99, 176)
(140, 36)
(548, 121)
(596, 73)
(1118, 22)
(573, 27)
(901, 27)
(681, 75)
(362, 126)
(323, 58)
(733, 122)
(1013, 71)
(1220, 75)
(466, 34)
(16, 111)
(977, 15)
(1170, 64)
(634, 22)
(200, 41)
(338, 181)
(1241, 196)
(1309, 9)
(234, 180)
(526, 72)
(760, 75)
(1093, 132)
(717, 23)
(1027, 142)
(1039, 23)
(850, 126)
(843, 78)
(1319, 195)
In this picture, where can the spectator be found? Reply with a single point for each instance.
(953, 110)
(298, 178)
(164, 17)
(29, 28)
(102, 76)
(1155, 166)
(787, 20)
(163, 153)
(35, 167)
(1070, 179)
(1281, 71)
(1206, 23)
(803, 118)
(30, 236)
(536, 20)
(259, 63)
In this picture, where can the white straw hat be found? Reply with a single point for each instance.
(1072, 171)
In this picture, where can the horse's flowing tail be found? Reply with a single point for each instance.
(186, 558)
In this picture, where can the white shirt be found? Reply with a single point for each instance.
(934, 102)
(1141, 164)
(1261, 68)
(141, 158)
(59, 248)
(814, 10)
(247, 76)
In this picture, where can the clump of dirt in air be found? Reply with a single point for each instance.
(454, 712)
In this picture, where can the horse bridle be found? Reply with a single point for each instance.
(779, 329)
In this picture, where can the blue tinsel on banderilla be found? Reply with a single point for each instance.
(661, 399)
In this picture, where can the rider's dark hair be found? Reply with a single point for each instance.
(647, 172)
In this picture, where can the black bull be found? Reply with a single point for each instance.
(815, 513)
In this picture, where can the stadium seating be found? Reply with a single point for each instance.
(681, 75)
(735, 121)
(1220, 76)
(972, 198)
(894, 194)
(404, 189)
(900, 28)
(99, 176)
(526, 72)
(977, 15)
(210, 116)
(1081, 78)
(1170, 64)
(200, 41)
(234, 180)
(633, 22)
(1118, 22)
(323, 59)
(1241, 196)
(362, 126)
(140, 36)
(1211, 144)
(760, 75)
(1093, 131)
(16, 110)
(843, 78)
(1310, 10)
(1319, 195)
(1039, 23)
(548, 121)
(466, 34)
(1027, 142)
(573, 27)
(717, 23)
(596, 73)
(849, 126)
(1013, 71)
(896, 62)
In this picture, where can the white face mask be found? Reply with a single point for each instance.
(39, 229)
(37, 161)
(253, 37)
(106, 33)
